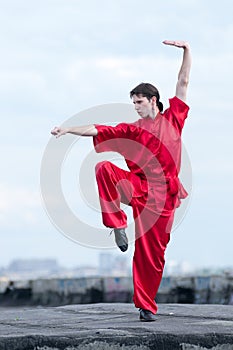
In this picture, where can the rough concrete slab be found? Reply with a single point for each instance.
(116, 326)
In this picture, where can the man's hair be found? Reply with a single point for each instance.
(147, 90)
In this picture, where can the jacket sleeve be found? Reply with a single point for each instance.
(110, 138)
(177, 112)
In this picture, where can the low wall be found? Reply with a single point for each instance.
(54, 292)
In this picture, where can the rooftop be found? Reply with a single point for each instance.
(116, 326)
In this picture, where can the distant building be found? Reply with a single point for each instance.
(113, 265)
(121, 266)
(29, 265)
(105, 264)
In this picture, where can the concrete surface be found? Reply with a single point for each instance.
(116, 326)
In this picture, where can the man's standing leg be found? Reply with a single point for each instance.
(148, 260)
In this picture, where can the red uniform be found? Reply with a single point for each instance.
(152, 150)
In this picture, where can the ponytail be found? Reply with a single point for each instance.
(160, 106)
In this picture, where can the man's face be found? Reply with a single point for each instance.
(143, 106)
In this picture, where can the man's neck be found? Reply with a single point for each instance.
(154, 113)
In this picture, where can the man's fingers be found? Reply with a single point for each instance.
(58, 131)
(169, 42)
(178, 43)
(173, 43)
(55, 131)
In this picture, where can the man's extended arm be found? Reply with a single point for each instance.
(183, 76)
(87, 130)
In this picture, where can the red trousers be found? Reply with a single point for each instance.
(152, 229)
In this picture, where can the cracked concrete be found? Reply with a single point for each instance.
(116, 326)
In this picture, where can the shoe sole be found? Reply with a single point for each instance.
(143, 320)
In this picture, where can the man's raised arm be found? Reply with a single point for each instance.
(183, 76)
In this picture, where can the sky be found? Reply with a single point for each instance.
(59, 58)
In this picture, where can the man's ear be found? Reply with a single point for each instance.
(153, 100)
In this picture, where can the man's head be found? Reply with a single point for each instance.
(146, 100)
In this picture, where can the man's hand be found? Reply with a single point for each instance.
(179, 43)
(57, 131)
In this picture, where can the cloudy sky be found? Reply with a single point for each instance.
(61, 57)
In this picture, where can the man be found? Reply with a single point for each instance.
(152, 150)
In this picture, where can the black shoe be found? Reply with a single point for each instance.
(146, 315)
(121, 239)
